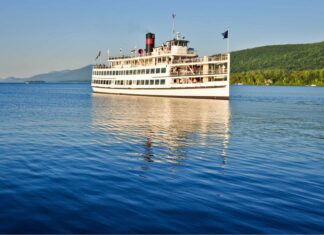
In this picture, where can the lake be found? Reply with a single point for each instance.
(76, 162)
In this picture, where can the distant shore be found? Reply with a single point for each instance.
(251, 84)
(313, 77)
(83, 82)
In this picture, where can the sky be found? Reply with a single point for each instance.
(39, 36)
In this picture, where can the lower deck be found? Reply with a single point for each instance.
(161, 82)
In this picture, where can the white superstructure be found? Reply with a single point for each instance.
(172, 69)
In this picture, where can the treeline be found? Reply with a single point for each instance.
(299, 64)
(280, 77)
(286, 57)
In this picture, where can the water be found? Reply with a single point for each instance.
(76, 162)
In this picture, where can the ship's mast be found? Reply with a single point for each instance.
(173, 24)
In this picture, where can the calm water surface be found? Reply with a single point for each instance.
(76, 162)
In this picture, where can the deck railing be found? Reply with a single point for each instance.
(197, 73)
(220, 57)
(101, 66)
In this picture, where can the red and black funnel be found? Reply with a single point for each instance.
(150, 42)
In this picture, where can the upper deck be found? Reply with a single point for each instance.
(174, 54)
(167, 59)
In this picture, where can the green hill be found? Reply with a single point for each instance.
(288, 57)
(295, 64)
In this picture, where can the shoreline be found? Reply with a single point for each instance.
(233, 84)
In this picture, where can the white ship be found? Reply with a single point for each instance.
(171, 70)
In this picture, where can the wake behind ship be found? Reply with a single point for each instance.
(171, 70)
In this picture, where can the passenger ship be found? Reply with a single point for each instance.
(170, 70)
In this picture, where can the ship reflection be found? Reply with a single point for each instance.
(148, 154)
(164, 129)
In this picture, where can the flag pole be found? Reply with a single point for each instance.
(228, 41)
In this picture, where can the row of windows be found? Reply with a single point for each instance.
(130, 82)
(130, 72)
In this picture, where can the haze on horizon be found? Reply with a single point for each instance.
(41, 36)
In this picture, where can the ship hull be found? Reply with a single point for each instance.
(218, 92)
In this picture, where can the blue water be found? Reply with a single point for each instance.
(76, 162)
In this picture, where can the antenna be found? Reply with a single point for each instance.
(173, 23)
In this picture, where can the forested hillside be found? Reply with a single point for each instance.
(300, 64)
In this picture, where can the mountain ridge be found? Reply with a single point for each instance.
(82, 74)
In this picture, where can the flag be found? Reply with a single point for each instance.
(225, 34)
(98, 55)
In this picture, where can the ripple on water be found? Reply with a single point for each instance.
(76, 162)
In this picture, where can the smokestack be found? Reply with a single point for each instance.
(150, 42)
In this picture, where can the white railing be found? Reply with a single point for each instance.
(189, 73)
(221, 57)
(101, 66)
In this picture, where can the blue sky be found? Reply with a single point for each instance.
(38, 36)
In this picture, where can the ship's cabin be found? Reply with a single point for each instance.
(171, 51)
(176, 46)
(176, 42)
